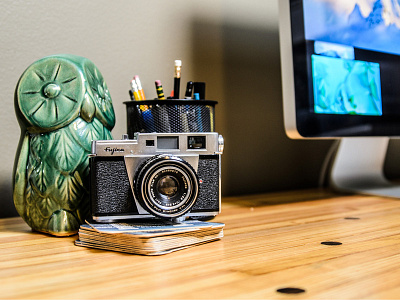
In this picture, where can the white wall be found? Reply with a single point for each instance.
(122, 38)
(232, 45)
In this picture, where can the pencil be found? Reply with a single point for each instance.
(177, 78)
(159, 89)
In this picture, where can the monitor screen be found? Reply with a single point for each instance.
(341, 67)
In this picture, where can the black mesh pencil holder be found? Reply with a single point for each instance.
(170, 116)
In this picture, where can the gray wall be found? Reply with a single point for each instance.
(232, 45)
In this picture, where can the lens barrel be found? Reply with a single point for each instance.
(166, 186)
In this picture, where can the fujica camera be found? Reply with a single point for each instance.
(156, 175)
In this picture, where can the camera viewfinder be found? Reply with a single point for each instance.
(196, 142)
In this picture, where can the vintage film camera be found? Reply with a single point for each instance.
(156, 175)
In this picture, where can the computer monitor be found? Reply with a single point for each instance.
(341, 79)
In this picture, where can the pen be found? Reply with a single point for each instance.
(140, 89)
(177, 78)
(200, 87)
(159, 89)
(189, 88)
(131, 95)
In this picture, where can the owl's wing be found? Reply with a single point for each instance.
(65, 155)
(20, 175)
(54, 189)
(41, 201)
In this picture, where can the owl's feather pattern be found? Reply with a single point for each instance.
(58, 122)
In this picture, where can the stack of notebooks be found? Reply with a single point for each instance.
(148, 238)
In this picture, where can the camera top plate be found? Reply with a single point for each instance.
(205, 143)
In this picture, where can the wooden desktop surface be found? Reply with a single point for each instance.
(271, 242)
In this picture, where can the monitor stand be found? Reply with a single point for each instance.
(358, 167)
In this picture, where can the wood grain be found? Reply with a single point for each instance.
(271, 241)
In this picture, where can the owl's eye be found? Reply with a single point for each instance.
(100, 94)
(49, 92)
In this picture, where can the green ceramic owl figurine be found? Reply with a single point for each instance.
(62, 103)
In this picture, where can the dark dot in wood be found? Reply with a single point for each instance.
(351, 218)
(331, 243)
(290, 290)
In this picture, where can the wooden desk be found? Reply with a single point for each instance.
(271, 241)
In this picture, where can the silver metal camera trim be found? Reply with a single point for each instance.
(137, 146)
(135, 152)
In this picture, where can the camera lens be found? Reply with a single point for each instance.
(166, 186)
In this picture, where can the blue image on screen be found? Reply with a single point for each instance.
(343, 86)
(334, 50)
(366, 24)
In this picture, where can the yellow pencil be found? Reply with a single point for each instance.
(139, 86)
(135, 90)
(136, 94)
